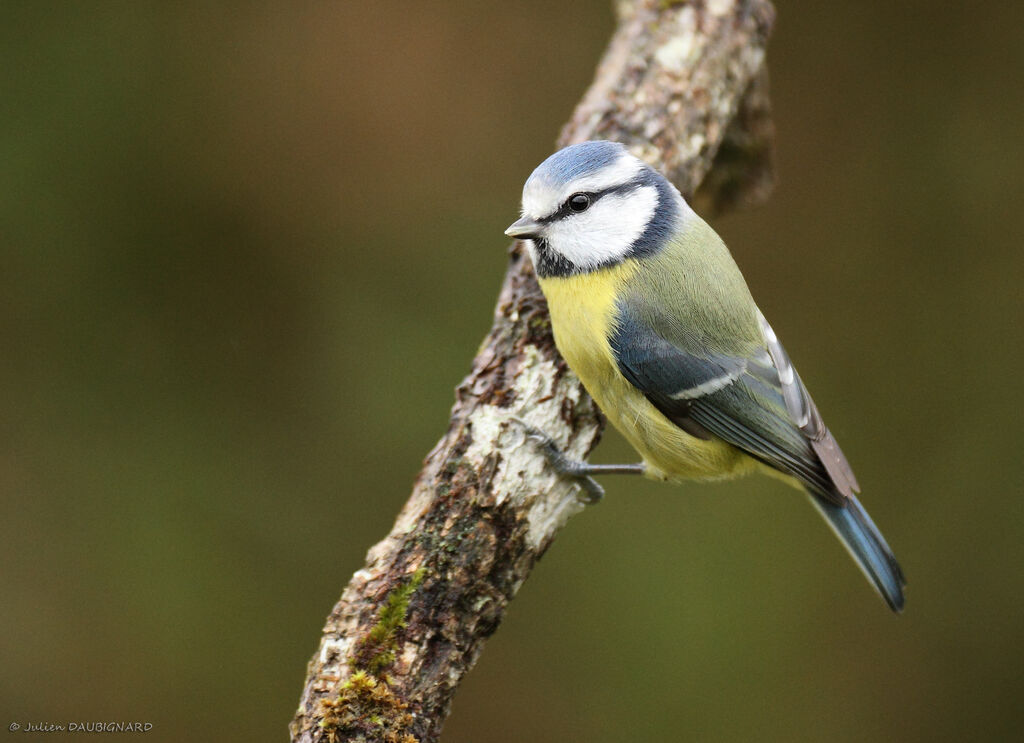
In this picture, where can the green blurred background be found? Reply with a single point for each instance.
(248, 251)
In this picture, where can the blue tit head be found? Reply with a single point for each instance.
(592, 205)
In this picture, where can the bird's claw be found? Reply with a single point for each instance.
(591, 491)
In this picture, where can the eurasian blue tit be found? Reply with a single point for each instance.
(649, 309)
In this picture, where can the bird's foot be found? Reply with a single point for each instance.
(592, 492)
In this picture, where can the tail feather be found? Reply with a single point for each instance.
(867, 546)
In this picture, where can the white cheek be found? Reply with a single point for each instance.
(605, 232)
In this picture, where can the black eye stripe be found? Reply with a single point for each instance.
(565, 210)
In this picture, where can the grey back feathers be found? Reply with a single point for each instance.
(628, 209)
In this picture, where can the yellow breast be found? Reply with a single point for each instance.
(582, 312)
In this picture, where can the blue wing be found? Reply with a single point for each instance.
(740, 399)
(755, 401)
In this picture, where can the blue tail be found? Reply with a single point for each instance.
(867, 546)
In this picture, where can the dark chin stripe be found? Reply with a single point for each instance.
(549, 263)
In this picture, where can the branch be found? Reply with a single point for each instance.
(485, 507)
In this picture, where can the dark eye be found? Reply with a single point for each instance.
(579, 202)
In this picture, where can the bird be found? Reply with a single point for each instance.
(651, 312)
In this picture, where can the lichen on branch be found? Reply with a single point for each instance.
(366, 707)
(375, 651)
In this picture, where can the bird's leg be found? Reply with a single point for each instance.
(574, 468)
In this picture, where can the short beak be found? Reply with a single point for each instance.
(524, 229)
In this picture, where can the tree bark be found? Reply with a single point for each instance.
(680, 83)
